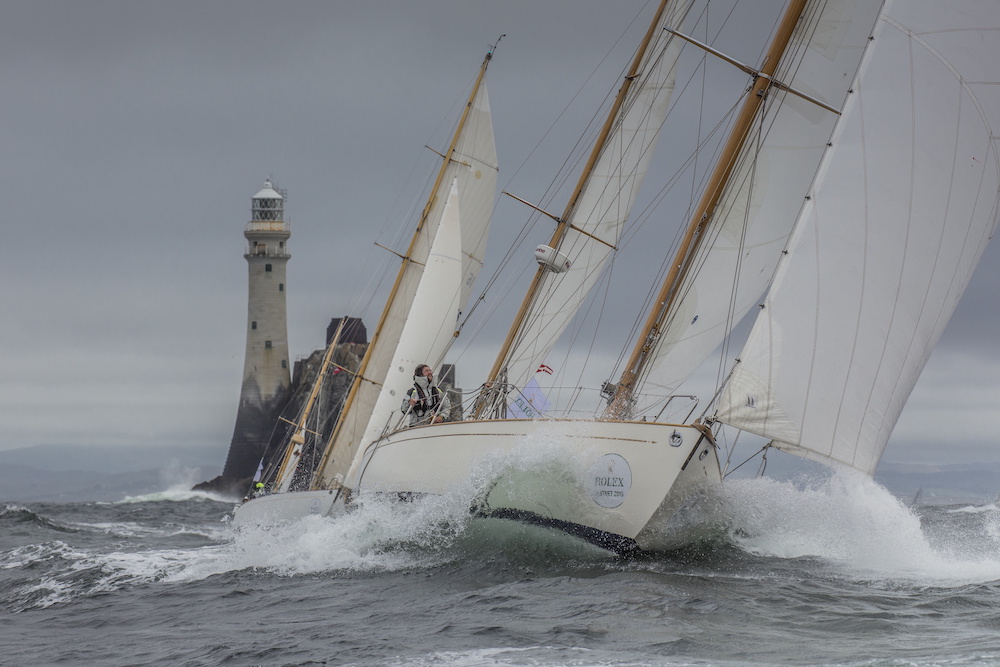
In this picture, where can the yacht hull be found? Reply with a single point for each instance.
(279, 508)
(614, 484)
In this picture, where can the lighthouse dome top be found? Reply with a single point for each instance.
(268, 192)
(268, 205)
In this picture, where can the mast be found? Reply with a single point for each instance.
(621, 402)
(360, 373)
(562, 223)
(298, 440)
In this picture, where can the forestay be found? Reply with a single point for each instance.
(903, 206)
(773, 173)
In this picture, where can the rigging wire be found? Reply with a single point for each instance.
(774, 99)
(632, 229)
(400, 223)
(691, 163)
(734, 288)
(680, 171)
(665, 264)
(566, 171)
(614, 200)
(763, 452)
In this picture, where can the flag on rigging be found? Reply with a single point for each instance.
(531, 403)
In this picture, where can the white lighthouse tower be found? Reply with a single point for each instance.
(265, 369)
(266, 372)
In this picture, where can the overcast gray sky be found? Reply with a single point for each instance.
(134, 134)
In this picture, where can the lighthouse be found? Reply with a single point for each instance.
(266, 372)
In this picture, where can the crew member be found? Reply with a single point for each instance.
(425, 403)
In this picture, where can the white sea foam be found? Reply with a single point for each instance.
(543, 656)
(852, 521)
(975, 509)
(178, 493)
(314, 544)
(31, 554)
(378, 535)
(131, 529)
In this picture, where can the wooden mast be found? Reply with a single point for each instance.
(298, 437)
(359, 376)
(562, 224)
(621, 403)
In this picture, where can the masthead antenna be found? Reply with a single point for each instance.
(489, 54)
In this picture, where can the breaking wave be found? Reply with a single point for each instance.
(174, 495)
(844, 524)
(856, 525)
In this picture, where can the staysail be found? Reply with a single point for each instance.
(900, 213)
(760, 204)
(469, 172)
(430, 328)
(594, 217)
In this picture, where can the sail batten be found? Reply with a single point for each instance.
(902, 209)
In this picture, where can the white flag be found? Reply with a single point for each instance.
(531, 403)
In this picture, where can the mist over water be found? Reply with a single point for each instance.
(831, 571)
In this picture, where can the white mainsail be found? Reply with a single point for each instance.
(762, 201)
(471, 171)
(900, 213)
(603, 204)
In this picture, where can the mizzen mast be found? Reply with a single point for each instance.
(620, 404)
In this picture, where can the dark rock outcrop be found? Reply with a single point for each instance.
(261, 433)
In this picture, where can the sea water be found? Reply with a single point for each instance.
(831, 572)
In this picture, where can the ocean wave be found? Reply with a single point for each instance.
(543, 655)
(173, 495)
(851, 522)
(376, 537)
(974, 509)
(56, 573)
(18, 514)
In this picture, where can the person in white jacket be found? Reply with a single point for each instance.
(424, 402)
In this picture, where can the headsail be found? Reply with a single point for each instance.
(430, 329)
(470, 171)
(903, 206)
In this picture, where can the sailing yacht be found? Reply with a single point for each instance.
(848, 206)
(418, 324)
